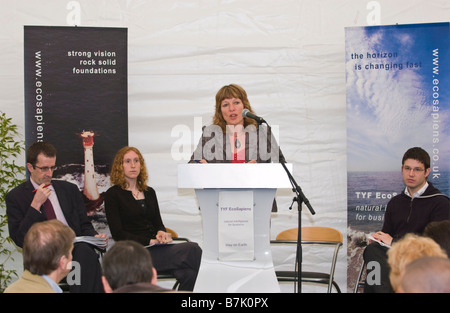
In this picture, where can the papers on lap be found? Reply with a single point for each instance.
(159, 244)
(380, 242)
(99, 242)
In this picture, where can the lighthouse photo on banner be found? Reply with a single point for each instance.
(76, 99)
(397, 80)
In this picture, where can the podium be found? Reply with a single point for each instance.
(236, 203)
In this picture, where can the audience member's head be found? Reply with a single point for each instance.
(426, 275)
(439, 232)
(47, 249)
(407, 249)
(126, 263)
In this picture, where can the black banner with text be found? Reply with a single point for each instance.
(76, 99)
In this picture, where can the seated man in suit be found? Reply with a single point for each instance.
(40, 198)
(47, 258)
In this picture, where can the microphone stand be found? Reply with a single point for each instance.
(299, 198)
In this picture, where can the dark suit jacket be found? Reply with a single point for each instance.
(21, 215)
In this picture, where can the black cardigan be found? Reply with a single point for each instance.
(411, 215)
(127, 219)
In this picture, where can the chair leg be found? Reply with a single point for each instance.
(359, 283)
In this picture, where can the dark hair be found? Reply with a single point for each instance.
(37, 148)
(418, 154)
(439, 231)
(127, 262)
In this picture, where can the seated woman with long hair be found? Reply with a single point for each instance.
(132, 212)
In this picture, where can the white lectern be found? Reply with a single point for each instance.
(229, 264)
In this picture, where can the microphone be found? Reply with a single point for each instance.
(247, 113)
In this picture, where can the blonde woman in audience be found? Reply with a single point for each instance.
(408, 249)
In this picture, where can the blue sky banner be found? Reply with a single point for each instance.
(76, 98)
(397, 80)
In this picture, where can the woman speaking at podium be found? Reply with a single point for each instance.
(233, 138)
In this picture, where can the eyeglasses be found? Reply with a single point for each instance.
(45, 168)
(415, 169)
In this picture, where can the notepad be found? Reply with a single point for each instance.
(380, 242)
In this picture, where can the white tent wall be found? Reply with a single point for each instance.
(289, 55)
